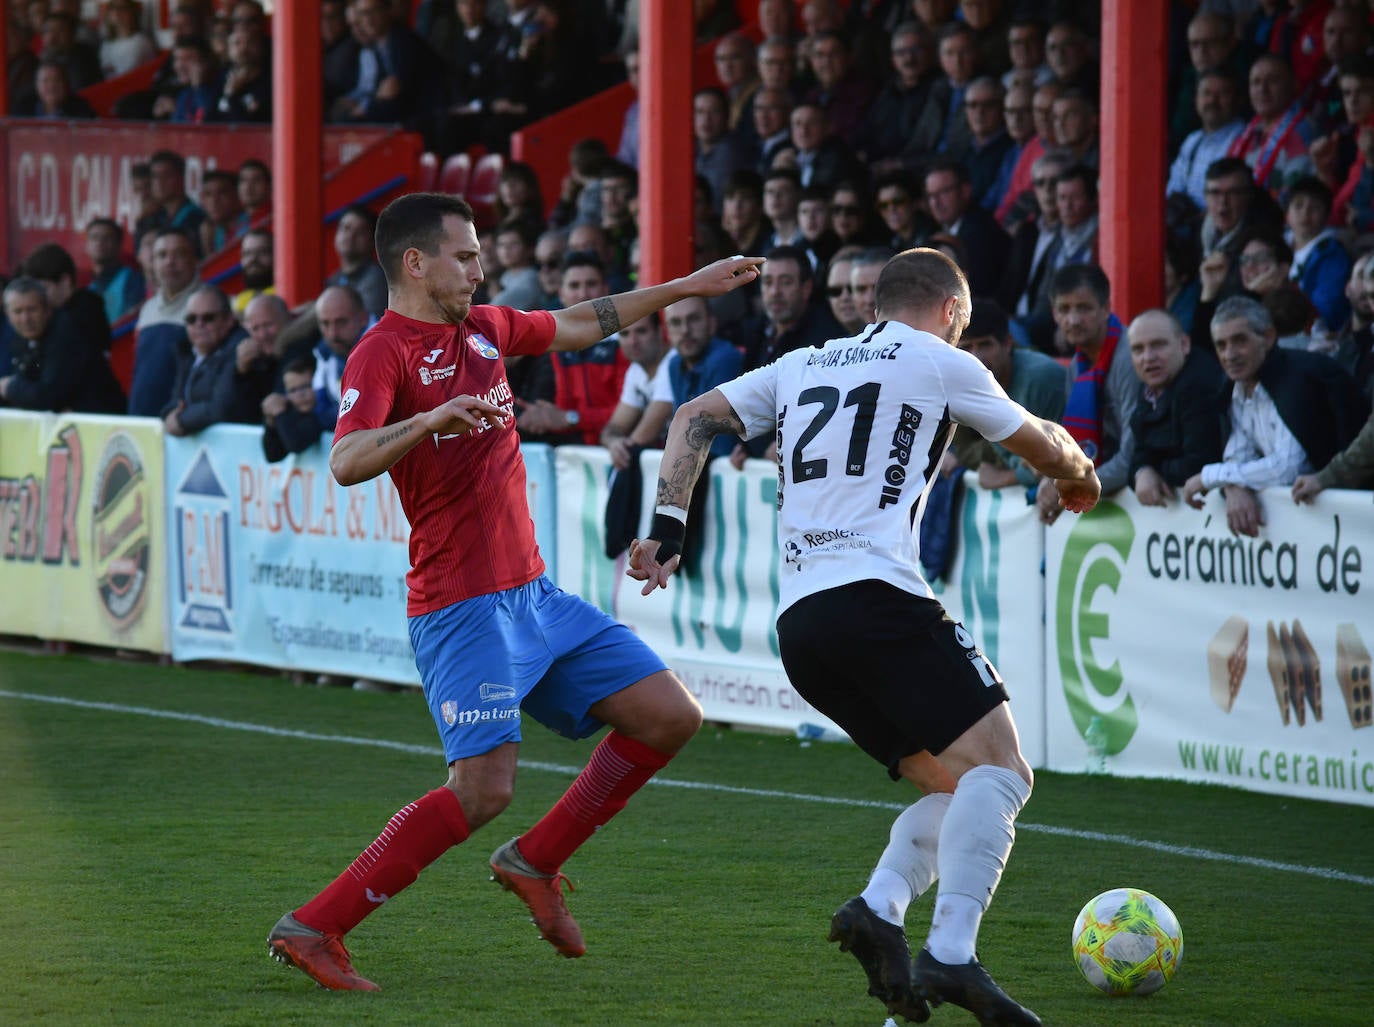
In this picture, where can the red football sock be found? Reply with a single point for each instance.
(413, 839)
(619, 767)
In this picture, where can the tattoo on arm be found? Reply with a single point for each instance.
(676, 488)
(607, 319)
(703, 428)
(392, 436)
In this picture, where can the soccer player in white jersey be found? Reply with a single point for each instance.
(861, 426)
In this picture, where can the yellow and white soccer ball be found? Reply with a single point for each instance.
(1127, 942)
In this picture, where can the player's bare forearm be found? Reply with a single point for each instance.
(1049, 448)
(695, 426)
(363, 454)
(587, 323)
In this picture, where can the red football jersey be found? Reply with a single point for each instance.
(464, 495)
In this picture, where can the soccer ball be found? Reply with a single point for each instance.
(1127, 942)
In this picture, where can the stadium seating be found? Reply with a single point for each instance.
(428, 175)
(455, 174)
(481, 191)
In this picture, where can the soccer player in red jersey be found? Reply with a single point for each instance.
(425, 397)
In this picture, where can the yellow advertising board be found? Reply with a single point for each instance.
(82, 540)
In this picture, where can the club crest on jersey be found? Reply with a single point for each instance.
(479, 342)
(438, 374)
(449, 709)
(347, 400)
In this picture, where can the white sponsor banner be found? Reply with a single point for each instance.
(716, 629)
(995, 588)
(1214, 657)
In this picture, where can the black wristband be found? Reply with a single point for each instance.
(669, 531)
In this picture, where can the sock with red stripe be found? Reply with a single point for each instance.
(619, 767)
(413, 839)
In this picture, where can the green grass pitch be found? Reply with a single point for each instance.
(143, 859)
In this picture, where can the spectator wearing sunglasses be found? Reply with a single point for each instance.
(206, 389)
(907, 224)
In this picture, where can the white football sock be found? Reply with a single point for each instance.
(975, 840)
(907, 866)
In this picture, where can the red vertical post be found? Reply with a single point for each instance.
(1132, 175)
(297, 150)
(666, 174)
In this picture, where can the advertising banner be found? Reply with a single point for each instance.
(1215, 657)
(278, 564)
(81, 528)
(716, 628)
(61, 175)
(995, 587)
(542, 491)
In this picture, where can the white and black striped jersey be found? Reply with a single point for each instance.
(862, 424)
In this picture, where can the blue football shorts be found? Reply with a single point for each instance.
(533, 649)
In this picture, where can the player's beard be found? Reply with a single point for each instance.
(453, 310)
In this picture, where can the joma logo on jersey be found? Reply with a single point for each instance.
(427, 376)
(902, 441)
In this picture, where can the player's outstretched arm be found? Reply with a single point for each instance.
(695, 426)
(362, 455)
(587, 323)
(1052, 451)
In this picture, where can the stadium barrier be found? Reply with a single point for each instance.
(1206, 657)
(1215, 657)
(715, 628)
(81, 529)
(277, 564)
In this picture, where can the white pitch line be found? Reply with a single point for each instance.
(769, 793)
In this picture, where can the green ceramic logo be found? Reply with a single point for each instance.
(1097, 548)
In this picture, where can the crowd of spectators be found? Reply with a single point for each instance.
(460, 72)
(847, 134)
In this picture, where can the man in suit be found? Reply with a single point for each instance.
(771, 111)
(55, 367)
(942, 127)
(1025, 288)
(822, 159)
(949, 195)
(391, 68)
(208, 389)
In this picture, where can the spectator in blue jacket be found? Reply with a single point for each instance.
(161, 324)
(699, 361)
(118, 282)
(1320, 263)
(342, 317)
(291, 417)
